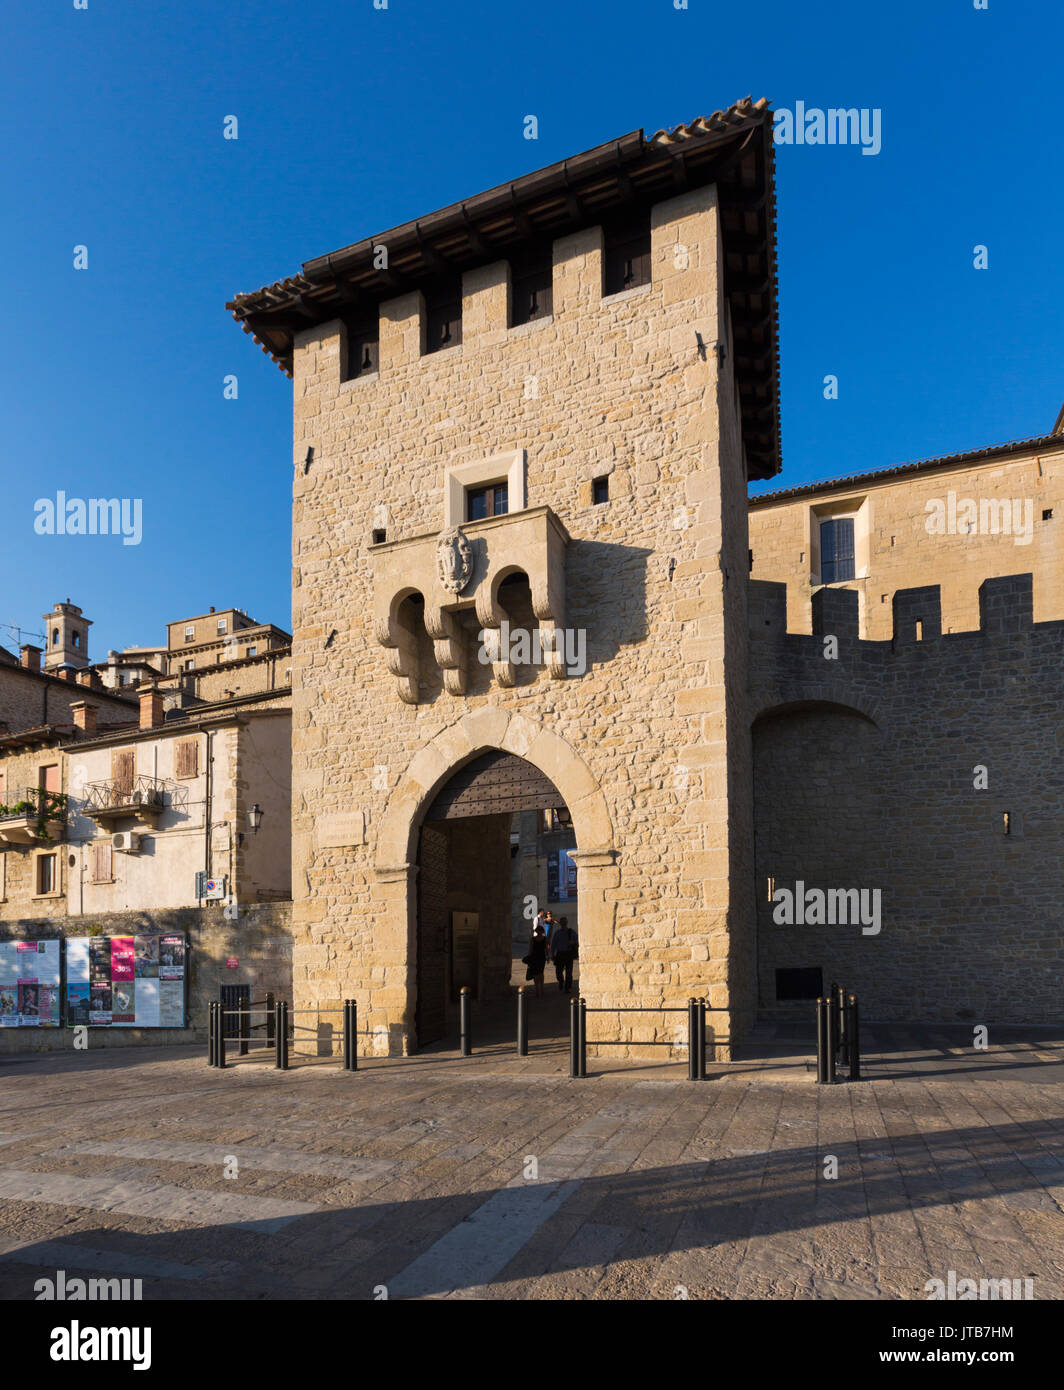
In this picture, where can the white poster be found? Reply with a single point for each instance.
(78, 960)
(147, 1003)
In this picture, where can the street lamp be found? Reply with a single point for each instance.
(255, 817)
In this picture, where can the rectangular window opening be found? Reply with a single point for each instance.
(359, 347)
(379, 537)
(806, 982)
(491, 500)
(600, 491)
(626, 254)
(836, 550)
(46, 873)
(443, 313)
(532, 285)
(1047, 515)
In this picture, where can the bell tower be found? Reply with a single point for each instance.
(66, 637)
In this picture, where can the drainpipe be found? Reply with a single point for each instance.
(208, 759)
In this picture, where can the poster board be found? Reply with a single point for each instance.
(30, 979)
(127, 981)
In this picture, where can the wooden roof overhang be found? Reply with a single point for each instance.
(732, 149)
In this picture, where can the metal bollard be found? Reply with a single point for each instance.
(853, 1038)
(692, 1039)
(582, 1020)
(352, 1058)
(821, 1042)
(271, 1005)
(210, 1032)
(219, 1033)
(700, 1036)
(574, 1036)
(840, 1021)
(832, 1047)
(522, 1022)
(465, 1022)
(280, 1032)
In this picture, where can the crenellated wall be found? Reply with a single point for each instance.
(891, 766)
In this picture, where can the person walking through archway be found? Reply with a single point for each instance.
(563, 953)
(536, 960)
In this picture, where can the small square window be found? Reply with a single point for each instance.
(1047, 515)
(222, 625)
(253, 651)
(482, 502)
(626, 254)
(359, 347)
(600, 491)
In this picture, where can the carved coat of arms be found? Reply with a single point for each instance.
(454, 560)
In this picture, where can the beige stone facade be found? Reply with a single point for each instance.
(1013, 524)
(637, 746)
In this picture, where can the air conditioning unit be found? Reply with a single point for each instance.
(127, 841)
(145, 798)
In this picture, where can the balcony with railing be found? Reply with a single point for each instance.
(32, 816)
(143, 797)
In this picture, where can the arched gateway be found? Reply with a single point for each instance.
(443, 858)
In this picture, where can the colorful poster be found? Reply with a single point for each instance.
(171, 1004)
(9, 1006)
(121, 958)
(100, 959)
(49, 1006)
(172, 958)
(146, 957)
(148, 1003)
(77, 961)
(100, 1004)
(29, 1003)
(123, 1009)
(77, 1009)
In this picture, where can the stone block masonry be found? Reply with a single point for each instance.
(930, 767)
(646, 746)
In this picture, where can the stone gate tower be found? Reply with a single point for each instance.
(530, 418)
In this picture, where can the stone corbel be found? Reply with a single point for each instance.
(449, 647)
(400, 643)
(548, 604)
(490, 616)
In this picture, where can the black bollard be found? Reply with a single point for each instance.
(692, 1039)
(832, 1047)
(219, 1033)
(281, 1035)
(574, 1036)
(465, 1022)
(700, 1018)
(853, 1036)
(582, 1026)
(821, 1042)
(211, 1006)
(270, 1006)
(522, 1022)
(840, 1021)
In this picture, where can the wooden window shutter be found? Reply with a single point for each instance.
(122, 770)
(50, 777)
(102, 863)
(187, 759)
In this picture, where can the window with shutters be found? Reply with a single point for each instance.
(531, 286)
(122, 771)
(47, 874)
(102, 863)
(626, 254)
(443, 313)
(48, 777)
(359, 347)
(836, 550)
(187, 759)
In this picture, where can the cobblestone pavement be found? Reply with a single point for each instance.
(497, 1177)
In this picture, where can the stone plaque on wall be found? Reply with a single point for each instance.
(341, 828)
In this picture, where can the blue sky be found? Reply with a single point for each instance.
(353, 120)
